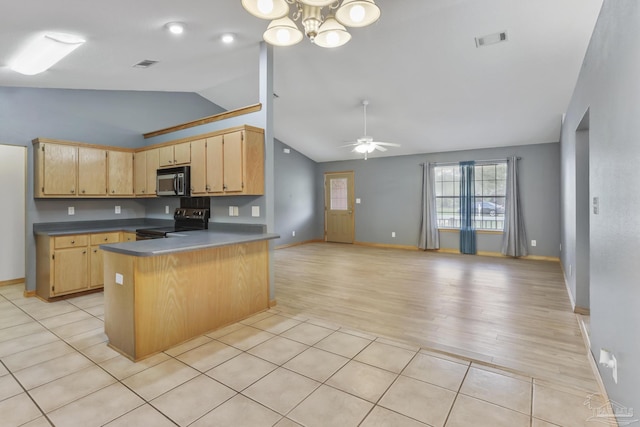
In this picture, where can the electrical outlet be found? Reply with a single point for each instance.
(286, 151)
(71, 210)
(533, 243)
(393, 234)
(358, 201)
(118, 209)
(255, 211)
(293, 233)
(166, 209)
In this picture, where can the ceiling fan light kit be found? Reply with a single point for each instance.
(322, 21)
(365, 144)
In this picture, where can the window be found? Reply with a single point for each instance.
(490, 192)
(338, 194)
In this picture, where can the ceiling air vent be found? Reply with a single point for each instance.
(491, 39)
(145, 64)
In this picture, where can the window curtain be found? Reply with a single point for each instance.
(429, 236)
(467, 208)
(514, 239)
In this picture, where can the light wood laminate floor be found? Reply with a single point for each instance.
(511, 313)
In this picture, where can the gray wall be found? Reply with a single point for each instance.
(609, 87)
(295, 203)
(389, 189)
(116, 118)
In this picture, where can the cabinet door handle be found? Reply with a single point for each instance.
(84, 252)
(113, 191)
(73, 242)
(95, 251)
(82, 191)
(106, 238)
(72, 191)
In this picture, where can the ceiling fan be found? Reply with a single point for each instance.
(365, 144)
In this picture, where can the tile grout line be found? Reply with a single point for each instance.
(25, 391)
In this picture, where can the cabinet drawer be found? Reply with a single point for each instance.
(71, 241)
(102, 238)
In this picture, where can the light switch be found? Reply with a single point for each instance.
(118, 209)
(286, 151)
(596, 205)
(119, 279)
(255, 210)
(71, 210)
(357, 201)
(230, 210)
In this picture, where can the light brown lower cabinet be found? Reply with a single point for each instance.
(70, 264)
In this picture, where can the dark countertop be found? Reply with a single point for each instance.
(104, 226)
(218, 234)
(187, 241)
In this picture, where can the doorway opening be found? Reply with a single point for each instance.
(339, 218)
(583, 213)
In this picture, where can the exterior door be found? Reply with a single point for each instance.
(339, 224)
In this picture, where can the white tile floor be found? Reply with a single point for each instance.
(268, 370)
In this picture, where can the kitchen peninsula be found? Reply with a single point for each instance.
(161, 292)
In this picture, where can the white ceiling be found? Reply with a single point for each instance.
(430, 88)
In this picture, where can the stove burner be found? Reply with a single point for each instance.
(186, 219)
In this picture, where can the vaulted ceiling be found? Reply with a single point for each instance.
(430, 88)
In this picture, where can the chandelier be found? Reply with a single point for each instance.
(323, 21)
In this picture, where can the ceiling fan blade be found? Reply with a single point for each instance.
(380, 147)
(388, 144)
(350, 145)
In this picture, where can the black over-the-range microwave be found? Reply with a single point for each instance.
(174, 181)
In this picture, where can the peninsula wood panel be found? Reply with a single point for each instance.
(119, 300)
(179, 296)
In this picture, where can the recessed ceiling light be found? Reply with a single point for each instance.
(44, 51)
(228, 38)
(175, 27)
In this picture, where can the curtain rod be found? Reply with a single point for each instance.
(477, 161)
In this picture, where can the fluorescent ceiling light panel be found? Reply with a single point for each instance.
(44, 51)
(491, 39)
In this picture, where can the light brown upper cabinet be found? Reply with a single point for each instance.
(176, 154)
(56, 170)
(199, 166)
(140, 173)
(226, 162)
(153, 163)
(120, 181)
(92, 171)
(145, 165)
(229, 163)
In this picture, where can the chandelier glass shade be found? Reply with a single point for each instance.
(324, 22)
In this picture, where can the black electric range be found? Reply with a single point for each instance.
(186, 219)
